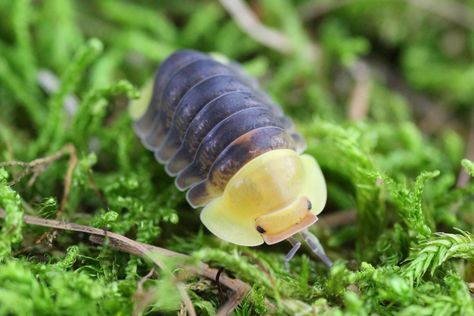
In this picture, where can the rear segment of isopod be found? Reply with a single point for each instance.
(231, 148)
(168, 68)
(172, 93)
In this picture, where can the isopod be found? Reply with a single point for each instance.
(233, 150)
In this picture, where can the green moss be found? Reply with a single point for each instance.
(12, 226)
(410, 250)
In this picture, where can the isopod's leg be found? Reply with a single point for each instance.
(315, 246)
(296, 245)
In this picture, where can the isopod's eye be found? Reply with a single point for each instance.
(261, 230)
(310, 205)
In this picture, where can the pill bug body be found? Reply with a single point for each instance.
(231, 148)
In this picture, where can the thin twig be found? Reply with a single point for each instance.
(238, 287)
(338, 219)
(124, 244)
(143, 300)
(250, 24)
(140, 249)
(360, 97)
(39, 165)
(127, 244)
(144, 279)
(185, 298)
(219, 287)
(37, 162)
(71, 150)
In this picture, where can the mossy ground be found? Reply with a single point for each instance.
(411, 248)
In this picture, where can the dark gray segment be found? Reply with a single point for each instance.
(222, 135)
(179, 84)
(190, 104)
(209, 116)
(206, 120)
(245, 148)
(167, 69)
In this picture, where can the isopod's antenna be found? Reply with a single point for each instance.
(313, 244)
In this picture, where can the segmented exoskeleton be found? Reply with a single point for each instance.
(231, 148)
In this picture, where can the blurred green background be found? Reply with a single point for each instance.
(383, 91)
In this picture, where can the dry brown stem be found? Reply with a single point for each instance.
(249, 23)
(238, 287)
(71, 150)
(339, 218)
(38, 166)
(124, 244)
(143, 298)
(360, 96)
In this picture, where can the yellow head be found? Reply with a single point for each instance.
(271, 198)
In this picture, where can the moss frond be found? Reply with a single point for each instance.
(431, 253)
